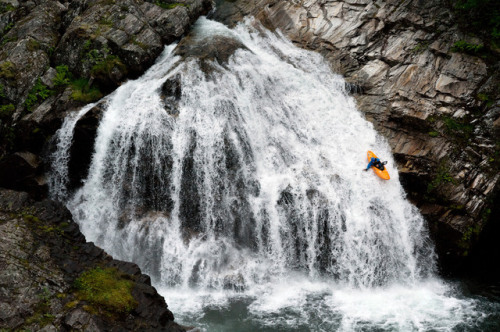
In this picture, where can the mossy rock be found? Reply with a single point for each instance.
(107, 289)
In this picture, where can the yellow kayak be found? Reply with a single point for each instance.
(382, 174)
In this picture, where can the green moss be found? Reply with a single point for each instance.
(468, 237)
(7, 70)
(7, 28)
(38, 93)
(422, 46)
(433, 133)
(105, 20)
(485, 98)
(33, 45)
(84, 92)
(30, 219)
(459, 128)
(138, 43)
(42, 315)
(6, 111)
(169, 5)
(104, 67)
(72, 304)
(442, 176)
(106, 288)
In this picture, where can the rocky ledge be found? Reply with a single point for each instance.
(51, 279)
(430, 88)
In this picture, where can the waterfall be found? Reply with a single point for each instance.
(245, 178)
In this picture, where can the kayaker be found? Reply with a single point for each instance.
(376, 163)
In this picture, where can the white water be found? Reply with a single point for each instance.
(254, 194)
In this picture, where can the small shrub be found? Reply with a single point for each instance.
(169, 5)
(422, 46)
(83, 92)
(38, 93)
(465, 47)
(7, 70)
(103, 68)
(6, 111)
(6, 7)
(442, 176)
(7, 28)
(33, 45)
(456, 127)
(106, 288)
(62, 77)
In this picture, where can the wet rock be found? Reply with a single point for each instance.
(211, 49)
(171, 94)
(41, 256)
(21, 170)
(83, 145)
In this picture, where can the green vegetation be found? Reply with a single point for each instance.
(6, 7)
(105, 20)
(6, 111)
(7, 70)
(104, 67)
(2, 93)
(485, 98)
(84, 92)
(468, 236)
(442, 176)
(482, 17)
(62, 77)
(422, 46)
(7, 28)
(465, 47)
(33, 45)
(107, 289)
(38, 93)
(41, 315)
(433, 133)
(169, 5)
(459, 128)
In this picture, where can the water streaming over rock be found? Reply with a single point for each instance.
(230, 177)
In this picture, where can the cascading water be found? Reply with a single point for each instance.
(239, 188)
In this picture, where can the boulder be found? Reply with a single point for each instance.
(42, 255)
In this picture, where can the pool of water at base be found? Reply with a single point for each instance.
(433, 305)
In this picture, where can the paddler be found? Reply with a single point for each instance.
(376, 163)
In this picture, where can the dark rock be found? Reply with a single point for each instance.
(42, 254)
(171, 94)
(83, 145)
(21, 170)
(209, 49)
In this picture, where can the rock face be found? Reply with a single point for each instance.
(54, 58)
(43, 255)
(438, 109)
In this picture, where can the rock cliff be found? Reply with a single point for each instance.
(44, 266)
(54, 58)
(430, 88)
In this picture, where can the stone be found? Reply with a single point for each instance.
(41, 256)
